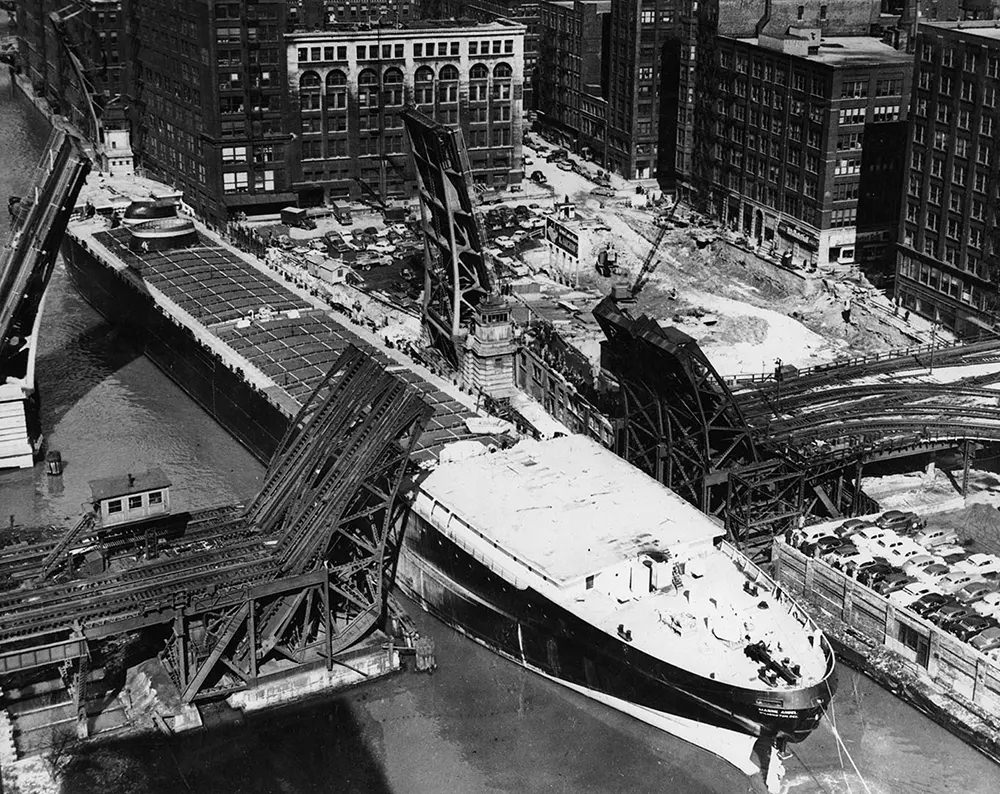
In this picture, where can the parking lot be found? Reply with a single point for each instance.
(920, 565)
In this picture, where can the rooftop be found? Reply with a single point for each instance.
(851, 51)
(567, 506)
(123, 484)
(980, 28)
(412, 28)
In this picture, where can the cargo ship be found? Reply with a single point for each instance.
(566, 559)
(559, 556)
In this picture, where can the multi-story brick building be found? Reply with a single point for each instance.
(572, 84)
(94, 31)
(792, 118)
(948, 259)
(350, 86)
(209, 101)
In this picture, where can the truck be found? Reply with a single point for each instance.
(342, 214)
(298, 217)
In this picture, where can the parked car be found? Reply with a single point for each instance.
(956, 580)
(974, 591)
(951, 554)
(868, 535)
(871, 575)
(986, 640)
(539, 177)
(933, 572)
(911, 593)
(928, 603)
(894, 581)
(989, 604)
(899, 521)
(847, 557)
(949, 613)
(967, 628)
(918, 562)
(604, 191)
(980, 564)
(935, 536)
(811, 547)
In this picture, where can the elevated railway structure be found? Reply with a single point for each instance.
(760, 452)
(301, 574)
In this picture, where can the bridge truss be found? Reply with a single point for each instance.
(300, 575)
(761, 453)
(457, 275)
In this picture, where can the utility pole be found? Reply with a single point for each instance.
(934, 327)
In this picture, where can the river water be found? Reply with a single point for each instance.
(480, 724)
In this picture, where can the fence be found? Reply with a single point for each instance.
(947, 660)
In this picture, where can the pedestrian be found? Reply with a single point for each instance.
(846, 313)
(906, 316)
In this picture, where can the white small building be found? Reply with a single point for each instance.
(130, 497)
(573, 244)
(118, 151)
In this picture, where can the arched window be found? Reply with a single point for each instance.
(448, 84)
(309, 87)
(424, 86)
(336, 90)
(308, 80)
(478, 75)
(501, 80)
(392, 86)
(368, 77)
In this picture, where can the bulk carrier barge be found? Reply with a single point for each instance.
(249, 350)
(246, 348)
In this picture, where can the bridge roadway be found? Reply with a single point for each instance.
(216, 548)
(899, 401)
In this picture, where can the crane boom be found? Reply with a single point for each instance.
(650, 263)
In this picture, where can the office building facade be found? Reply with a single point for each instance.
(948, 257)
(349, 88)
(792, 118)
(572, 84)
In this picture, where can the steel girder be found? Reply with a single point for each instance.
(328, 509)
(456, 273)
(28, 260)
(679, 421)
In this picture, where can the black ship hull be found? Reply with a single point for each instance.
(243, 410)
(527, 627)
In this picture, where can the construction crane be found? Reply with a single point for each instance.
(651, 262)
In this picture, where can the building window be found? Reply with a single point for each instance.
(312, 150)
(236, 181)
(856, 89)
(156, 497)
(423, 93)
(448, 84)
(114, 506)
(234, 154)
(135, 502)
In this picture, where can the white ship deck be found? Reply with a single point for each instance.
(568, 508)
(610, 544)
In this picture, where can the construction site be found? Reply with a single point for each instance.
(765, 395)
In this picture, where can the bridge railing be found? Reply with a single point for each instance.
(873, 358)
